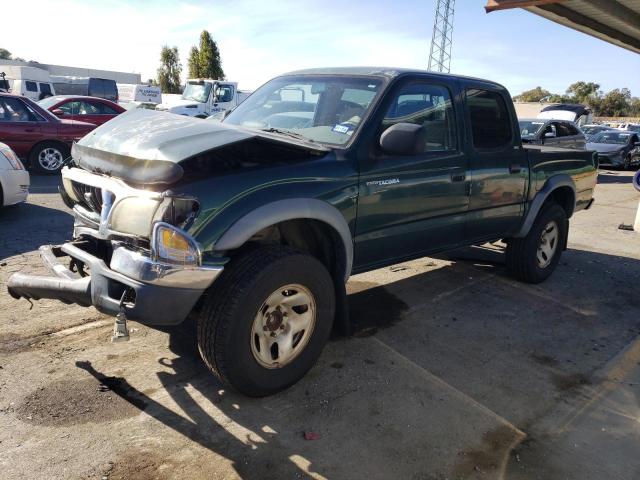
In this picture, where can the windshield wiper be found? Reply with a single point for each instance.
(288, 133)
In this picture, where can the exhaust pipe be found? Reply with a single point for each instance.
(36, 287)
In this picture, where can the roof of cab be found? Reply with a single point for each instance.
(384, 72)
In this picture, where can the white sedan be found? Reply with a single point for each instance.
(14, 179)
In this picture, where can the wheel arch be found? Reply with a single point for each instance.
(559, 188)
(48, 140)
(293, 213)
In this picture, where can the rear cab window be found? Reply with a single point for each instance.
(490, 120)
(31, 86)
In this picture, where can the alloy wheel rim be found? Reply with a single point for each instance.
(548, 244)
(283, 326)
(50, 158)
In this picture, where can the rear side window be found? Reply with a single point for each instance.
(490, 121)
(31, 86)
(45, 89)
(106, 109)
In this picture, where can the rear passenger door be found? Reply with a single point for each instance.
(499, 169)
(413, 204)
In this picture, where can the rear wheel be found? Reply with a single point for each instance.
(48, 157)
(533, 258)
(265, 321)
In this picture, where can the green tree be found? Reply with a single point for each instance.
(194, 63)
(210, 64)
(533, 95)
(170, 70)
(5, 54)
(583, 92)
(616, 103)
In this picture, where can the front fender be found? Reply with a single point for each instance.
(288, 209)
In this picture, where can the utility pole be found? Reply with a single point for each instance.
(440, 55)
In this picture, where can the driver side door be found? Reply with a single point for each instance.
(411, 205)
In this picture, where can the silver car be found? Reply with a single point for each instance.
(553, 133)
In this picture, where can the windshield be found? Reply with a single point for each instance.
(48, 102)
(529, 128)
(634, 128)
(197, 91)
(614, 138)
(325, 109)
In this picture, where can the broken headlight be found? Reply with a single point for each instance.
(134, 215)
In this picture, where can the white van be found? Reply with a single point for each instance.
(129, 92)
(34, 83)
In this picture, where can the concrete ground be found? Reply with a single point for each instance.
(454, 371)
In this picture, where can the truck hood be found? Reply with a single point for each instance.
(176, 103)
(604, 147)
(146, 147)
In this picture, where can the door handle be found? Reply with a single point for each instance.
(515, 168)
(458, 177)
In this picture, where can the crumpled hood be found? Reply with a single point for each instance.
(146, 146)
(604, 147)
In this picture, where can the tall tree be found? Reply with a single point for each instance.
(584, 92)
(616, 103)
(170, 70)
(194, 63)
(210, 63)
(533, 95)
(5, 54)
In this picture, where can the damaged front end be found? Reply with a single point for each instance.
(131, 254)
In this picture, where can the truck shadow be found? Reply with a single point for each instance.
(548, 329)
(612, 176)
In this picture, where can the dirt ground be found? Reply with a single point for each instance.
(454, 371)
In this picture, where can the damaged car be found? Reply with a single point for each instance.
(253, 225)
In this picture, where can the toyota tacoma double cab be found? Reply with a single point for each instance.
(252, 226)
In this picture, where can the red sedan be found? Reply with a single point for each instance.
(36, 135)
(86, 109)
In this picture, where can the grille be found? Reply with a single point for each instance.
(90, 197)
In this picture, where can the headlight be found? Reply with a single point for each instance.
(11, 157)
(172, 245)
(134, 215)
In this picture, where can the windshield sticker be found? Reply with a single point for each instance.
(341, 128)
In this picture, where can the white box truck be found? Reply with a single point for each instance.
(31, 82)
(203, 97)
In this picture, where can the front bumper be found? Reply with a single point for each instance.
(15, 186)
(156, 293)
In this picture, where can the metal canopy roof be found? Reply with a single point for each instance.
(614, 21)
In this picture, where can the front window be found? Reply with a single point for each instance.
(197, 91)
(325, 109)
(529, 128)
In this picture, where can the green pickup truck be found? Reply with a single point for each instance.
(253, 225)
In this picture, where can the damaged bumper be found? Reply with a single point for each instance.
(156, 293)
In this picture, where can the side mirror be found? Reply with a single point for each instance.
(403, 139)
(549, 135)
(57, 112)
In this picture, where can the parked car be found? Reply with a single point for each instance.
(579, 114)
(372, 168)
(592, 130)
(204, 97)
(36, 135)
(631, 127)
(87, 86)
(87, 109)
(552, 133)
(14, 179)
(617, 148)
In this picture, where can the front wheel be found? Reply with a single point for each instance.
(533, 258)
(48, 157)
(266, 319)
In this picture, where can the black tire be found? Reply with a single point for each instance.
(61, 151)
(522, 253)
(229, 308)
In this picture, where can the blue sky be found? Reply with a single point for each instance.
(260, 39)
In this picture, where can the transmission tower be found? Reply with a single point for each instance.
(440, 56)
